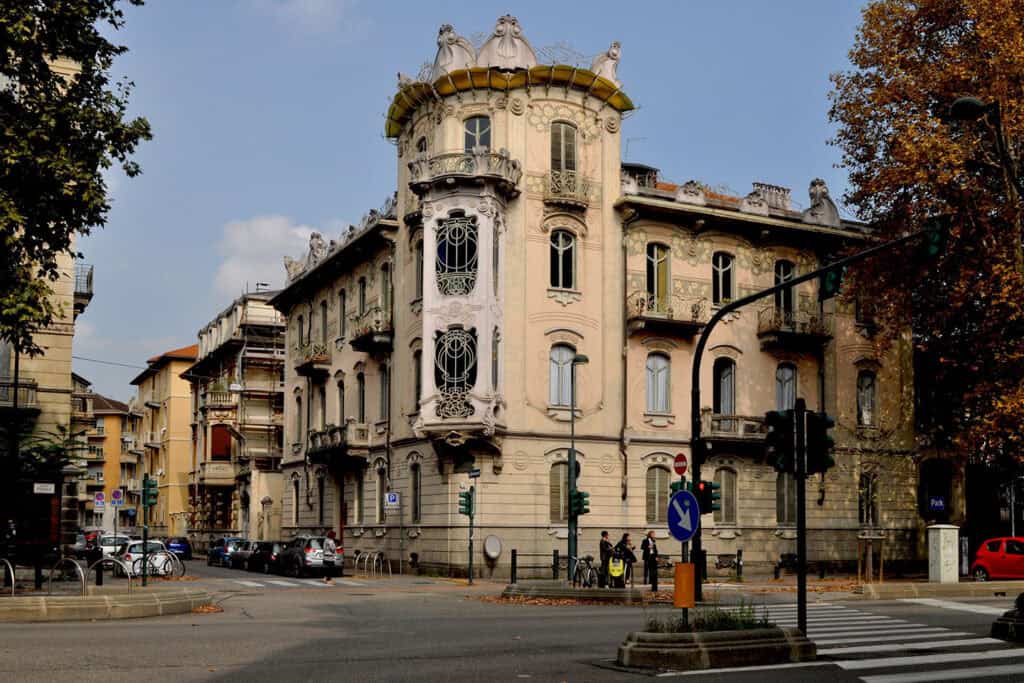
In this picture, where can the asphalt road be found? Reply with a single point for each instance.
(410, 629)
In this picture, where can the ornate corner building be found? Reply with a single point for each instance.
(437, 337)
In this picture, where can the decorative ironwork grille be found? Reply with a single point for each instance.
(455, 372)
(456, 255)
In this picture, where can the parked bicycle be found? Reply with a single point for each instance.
(585, 574)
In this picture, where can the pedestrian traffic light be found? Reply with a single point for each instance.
(708, 497)
(779, 442)
(830, 282)
(149, 492)
(579, 503)
(819, 443)
(466, 502)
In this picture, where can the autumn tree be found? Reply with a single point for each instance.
(910, 162)
(60, 128)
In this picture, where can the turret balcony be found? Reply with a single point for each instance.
(781, 328)
(313, 359)
(449, 169)
(568, 189)
(372, 331)
(677, 316)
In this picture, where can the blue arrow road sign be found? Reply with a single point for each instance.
(683, 516)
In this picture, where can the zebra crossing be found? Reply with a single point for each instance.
(296, 583)
(883, 649)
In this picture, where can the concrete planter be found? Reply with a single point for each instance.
(715, 649)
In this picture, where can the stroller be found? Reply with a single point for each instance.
(618, 570)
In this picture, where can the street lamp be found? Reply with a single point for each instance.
(577, 359)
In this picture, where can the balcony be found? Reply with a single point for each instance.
(132, 485)
(669, 315)
(780, 328)
(736, 434)
(344, 447)
(313, 359)
(218, 400)
(128, 458)
(83, 286)
(217, 473)
(92, 481)
(23, 393)
(152, 439)
(371, 331)
(569, 189)
(449, 169)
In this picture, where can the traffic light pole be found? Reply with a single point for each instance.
(696, 443)
(145, 527)
(472, 513)
(801, 516)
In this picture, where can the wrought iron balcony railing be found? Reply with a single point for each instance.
(568, 187)
(786, 328)
(669, 313)
(371, 330)
(83, 279)
(312, 357)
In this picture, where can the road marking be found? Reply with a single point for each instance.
(250, 584)
(348, 582)
(289, 584)
(739, 669)
(862, 628)
(838, 621)
(932, 645)
(874, 638)
(947, 674)
(858, 664)
(877, 631)
(959, 606)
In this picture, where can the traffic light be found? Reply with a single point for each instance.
(819, 443)
(708, 497)
(466, 502)
(830, 282)
(936, 235)
(779, 443)
(579, 503)
(149, 492)
(678, 485)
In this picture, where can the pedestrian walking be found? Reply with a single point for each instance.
(605, 553)
(330, 548)
(649, 551)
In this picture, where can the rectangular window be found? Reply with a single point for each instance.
(657, 494)
(559, 493)
(321, 489)
(357, 507)
(362, 295)
(417, 369)
(721, 278)
(323, 321)
(385, 393)
(726, 478)
(419, 269)
(342, 323)
(417, 488)
(785, 498)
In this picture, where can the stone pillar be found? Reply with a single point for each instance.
(943, 552)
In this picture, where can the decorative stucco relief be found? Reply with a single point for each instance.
(543, 113)
(636, 242)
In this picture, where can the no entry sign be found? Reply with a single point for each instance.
(680, 464)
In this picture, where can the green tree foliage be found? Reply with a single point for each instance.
(62, 123)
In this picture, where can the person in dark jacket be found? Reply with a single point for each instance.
(605, 553)
(649, 549)
(624, 550)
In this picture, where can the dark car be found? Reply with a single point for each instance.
(221, 549)
(180, 546)
(266, 557)
(307, 555)
(239, 557)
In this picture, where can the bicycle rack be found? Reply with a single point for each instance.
(10, 567)
(380, 561)
(78, 569)
(116, 560)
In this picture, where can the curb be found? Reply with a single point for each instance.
(625, 596)
(976, 589)
(102, 607)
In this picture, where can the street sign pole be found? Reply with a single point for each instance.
(472, 513)
(801, 517)
(680, 466)
(145, 526)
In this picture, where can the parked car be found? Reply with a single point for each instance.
(180, 546)
(221, 549)
(239, 557)
(306, 555)
(131, 554)
(999, 558)
(266, 557)
(112, 544)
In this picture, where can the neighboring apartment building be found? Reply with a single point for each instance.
(105, 428)
(237, 415)
(438, 336)
(166, 402)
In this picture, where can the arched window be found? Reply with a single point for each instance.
(657, 278)
(321, 394)
(455, 372)
(298, 419)
(724, 399)
(301, 325)
(421, 146)
(323, 321)
(419, 269)
(295, 501)
(321, 490)
(362, 295)
(784, 272)
(360, 398)
(560, 375)
(417, 383)
(559, 492)
(341, 402)
(359, 495)
(385, 288)
(456, 255)
(657, 494)
(867, 497)
(495, 260)
(785, 386)
(478, 132)
(785, 498)
(658, 374)
(721, 278)
(342, 323)
(385, 393)
(381, 484)
(866, 381)
(726, 478)
(416, 485)
(563, 260)
(563, 147)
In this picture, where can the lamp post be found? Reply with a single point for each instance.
(577, 359)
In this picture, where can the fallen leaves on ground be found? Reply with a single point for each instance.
(207, 609)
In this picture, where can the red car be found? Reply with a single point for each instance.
(999, 558)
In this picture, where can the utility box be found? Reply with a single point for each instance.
(943, 553)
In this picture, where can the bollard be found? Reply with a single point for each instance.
(778, 569)
(39, 573)
(99, 574)
(554, 564)
(513, 577)
(821, 570)
(739, 563)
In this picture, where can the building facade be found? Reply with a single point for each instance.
(237, 416)
(439, 337)
(165, 401)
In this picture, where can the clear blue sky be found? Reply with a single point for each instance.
(268, 117)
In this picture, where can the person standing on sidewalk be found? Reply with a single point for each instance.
(330, 548)
(649, 548)
(605, 553)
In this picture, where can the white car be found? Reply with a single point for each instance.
(112, 544)
(161, 562)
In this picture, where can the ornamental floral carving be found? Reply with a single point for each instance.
(541, 116)
(636, 242)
